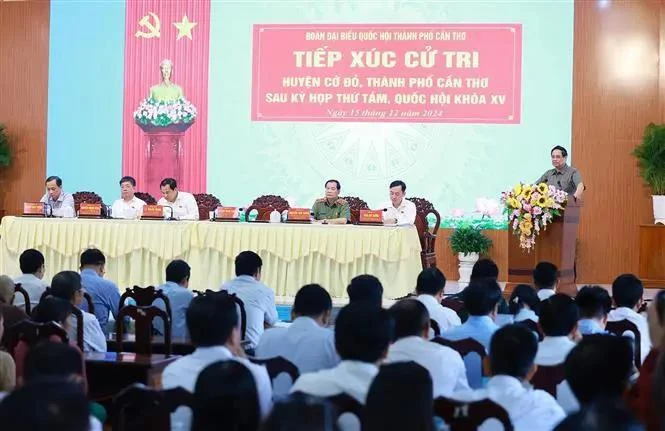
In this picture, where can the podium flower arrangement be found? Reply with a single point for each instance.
(530, 208)
(164, 113)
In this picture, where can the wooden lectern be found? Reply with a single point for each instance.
(557, 244)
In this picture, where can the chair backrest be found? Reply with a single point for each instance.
(32, 333)
(548, 378)
(355, 205)
(435, 327)
(619, 327)
(241, 307)
(427, 236)
(19, 290)
(89, 198)
(453, 304)
(533, 327)
(140, 408)
(143, 316)
(206, 203)
(468, 416)
(265, 205)
(463, 347)
(277, 366)
(78, 315)
(88, 301)
(146, 197)
(145, 296)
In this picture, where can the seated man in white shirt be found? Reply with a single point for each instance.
(259, 299)
(599, 368)
(307, 342)
(545, 279)
(61, 203)
(182, 204)
(175, 288)
(128, 206)
(595, 304)
(445, 365)
(429, 289)
(399, 210)
(362, 336)
(67, 285)
(365, 288)
(214, 328)
(32, 266)
(511, 357)
(627, 292)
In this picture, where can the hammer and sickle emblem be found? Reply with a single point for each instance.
(153, 26)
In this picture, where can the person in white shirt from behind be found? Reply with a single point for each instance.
(627, 292)
(307, 342)
(558, 320)
(32, 266)
(67, 285)
(511, 362)
(595, 304)
(429, 288)
(183, 204)
(545, 279)
(362, 335)
(399, 210)
(524, 304)
(128, 206)
(259, 299)
(444, 364)
(214, 328)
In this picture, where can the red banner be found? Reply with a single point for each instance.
(177, 30)
(447, 73)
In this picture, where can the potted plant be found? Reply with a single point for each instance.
(469, 243)
(5, 153)
(650, 156)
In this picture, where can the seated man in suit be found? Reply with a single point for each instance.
(511, 357)
(627, 292)
(331, 209)
(175, 288)
(445, 365)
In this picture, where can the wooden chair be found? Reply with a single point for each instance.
(143, 316)
(619, 328)
(32, 333)
(18, 289)
(427, 235)
(548, 378)
(355, 205)
(454, 304)
(140, 408)
(463, 347)
(206, 203)
(435, 327)
(265, 205)
(239, 303)
(145, 296)
(468, 416)
(277, 366)
(88, 300)
(146, 197)
(533, 327)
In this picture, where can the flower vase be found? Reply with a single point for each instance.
(658, 209)
(466, 262)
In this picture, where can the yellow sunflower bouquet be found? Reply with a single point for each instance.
(530, 208)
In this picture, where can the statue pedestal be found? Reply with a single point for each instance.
(163, 154)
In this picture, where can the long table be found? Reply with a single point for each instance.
(137, 251)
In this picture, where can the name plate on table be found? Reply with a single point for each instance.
(226, 214)
(298, 215)
(33, 209)
(370, 217)
(153, 212)
(87, 210)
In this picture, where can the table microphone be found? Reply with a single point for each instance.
(48, 210)
(171, 216)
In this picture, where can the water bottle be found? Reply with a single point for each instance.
(241, 215)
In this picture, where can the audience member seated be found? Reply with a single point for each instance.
(175, 288)
(10, 313)
(627, 291)
(524, 303)
(214, 328)
(301, 412)
(46, 405)
(604, 415)
(31, 262)
(67, 285)
(225, 392)
(104, 293)
(429, 289)
(258, 298)
(362, 335)
(400, 398)
(599, 367)
(484, 268)
(7, 366)
(444, 365)
(511, 363)
(594, 304)
(365, 288)
(545, 279)
(307, 343)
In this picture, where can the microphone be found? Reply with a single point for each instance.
(171, 216)
(48, 210)
(559, 183)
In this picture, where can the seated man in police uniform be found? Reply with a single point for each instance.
(331, 209)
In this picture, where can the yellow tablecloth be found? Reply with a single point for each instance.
(137, 252)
